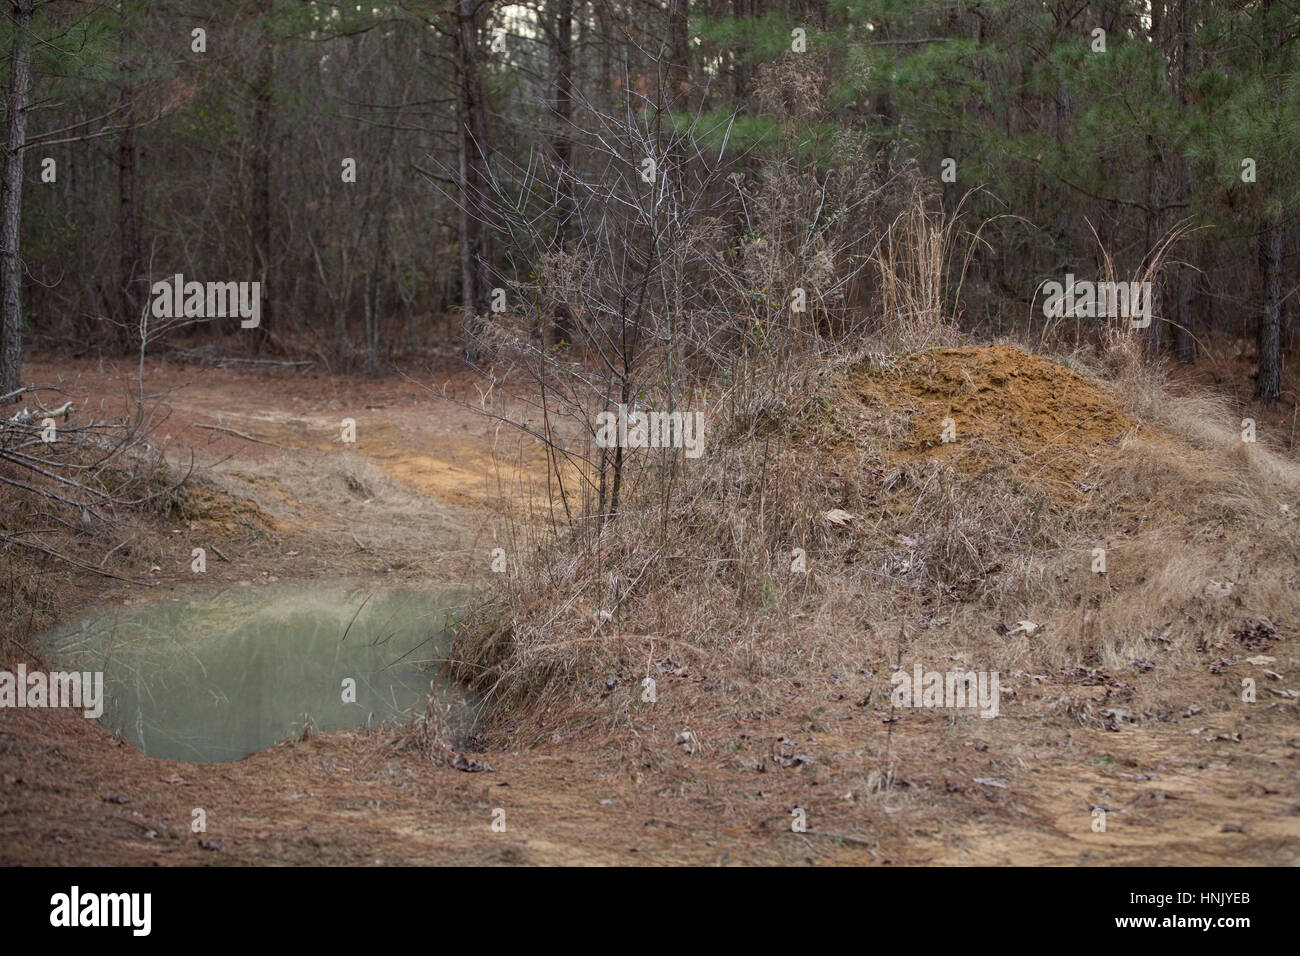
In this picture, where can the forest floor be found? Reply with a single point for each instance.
(411, 503)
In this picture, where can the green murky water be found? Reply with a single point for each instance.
(217, 677)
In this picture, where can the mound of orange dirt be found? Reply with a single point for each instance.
(1002, 409)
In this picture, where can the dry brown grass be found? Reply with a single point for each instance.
(914, 259)
(698, 568)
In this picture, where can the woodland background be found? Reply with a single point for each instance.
(500, 146)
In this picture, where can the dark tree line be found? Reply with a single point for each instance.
(383, 170)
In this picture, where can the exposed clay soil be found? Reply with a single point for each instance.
(1004, 409)
(411, 502)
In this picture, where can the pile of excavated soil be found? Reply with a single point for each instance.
(1007, 410)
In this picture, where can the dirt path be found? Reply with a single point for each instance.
(409, 502)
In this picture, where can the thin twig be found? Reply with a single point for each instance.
(75, 562)
(231, 431)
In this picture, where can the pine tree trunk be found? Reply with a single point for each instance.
(1156, 226)
(475, 238)
(741, 71)
(1268, 386)
(1184, 331)
(1182, 50)
(11, 200)
(679, 51)
(464, 227)
(262, 133)
(561, 328)
(1272, 244)
(128, 223)
(467, 225)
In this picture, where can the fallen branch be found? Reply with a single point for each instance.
(49, 494)
(231, 431)
(26, 388)
(273, 362)
(74, 561)
(25, 417)
(204, 358)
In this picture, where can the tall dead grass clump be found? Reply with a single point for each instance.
(915, 261)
